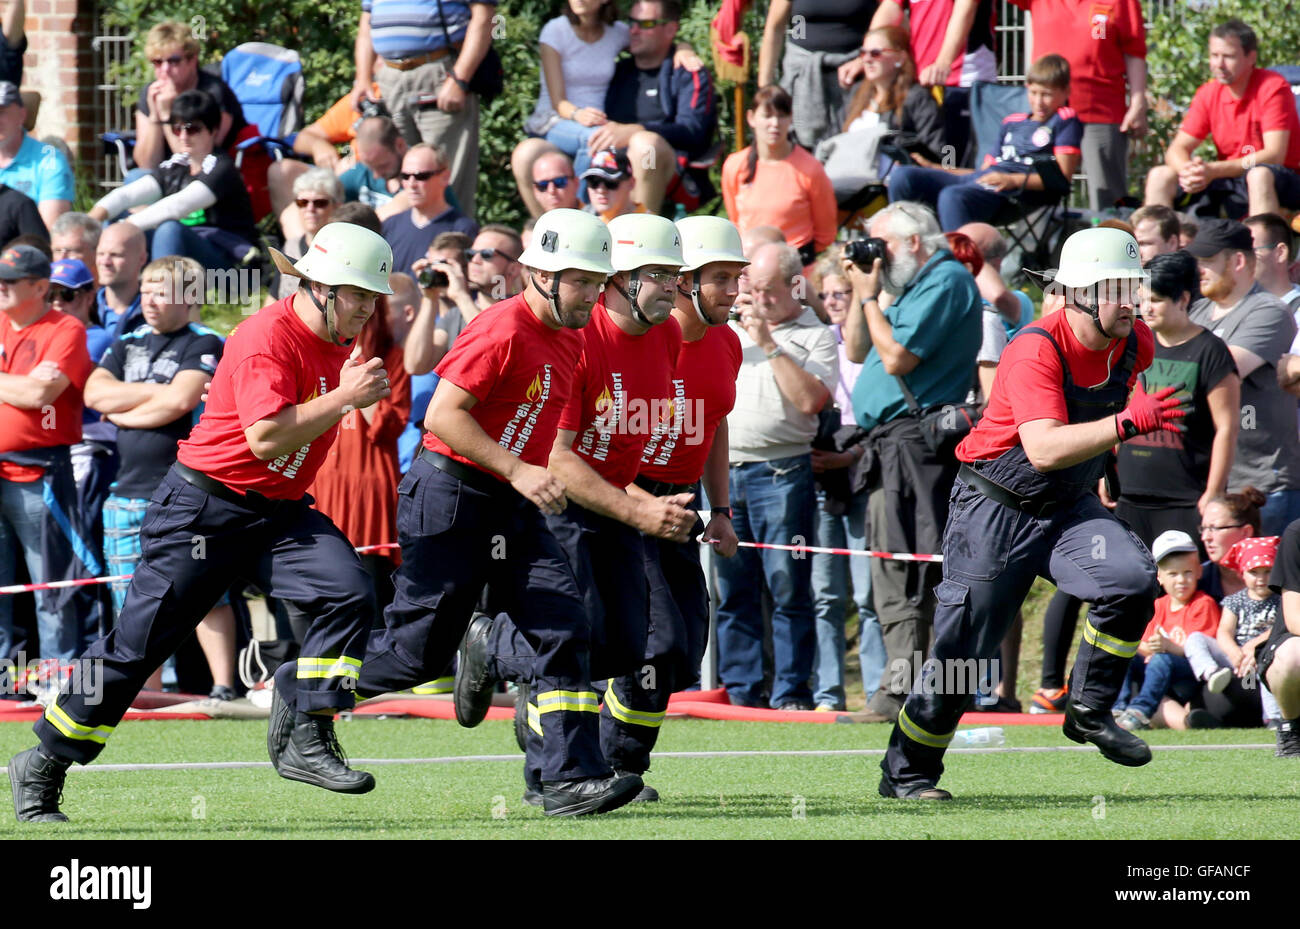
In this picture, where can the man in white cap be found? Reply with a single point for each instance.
(234, 505)
(622, 389)
(1023, 506)
(471, 509)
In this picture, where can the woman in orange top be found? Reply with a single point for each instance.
(774, 182)
(356, 487)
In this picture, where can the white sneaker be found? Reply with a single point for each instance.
(1218, 682)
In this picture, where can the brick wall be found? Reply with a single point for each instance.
(59, 65)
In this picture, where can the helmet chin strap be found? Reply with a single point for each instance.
(1094, 311)
(327, 310)
(552, 298)
(630, 295)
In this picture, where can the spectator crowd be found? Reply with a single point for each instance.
(861, 130)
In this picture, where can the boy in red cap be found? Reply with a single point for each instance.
(1248, 618)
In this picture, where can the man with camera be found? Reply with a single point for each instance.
(917, 342)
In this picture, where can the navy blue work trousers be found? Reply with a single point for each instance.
(455, 540)
(992, 553)
(194, 545)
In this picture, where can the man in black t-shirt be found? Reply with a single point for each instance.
(19, 215)
(662, 114)
(1278, 659)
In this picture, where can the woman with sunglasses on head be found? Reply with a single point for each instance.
(316, 193)
(890, 97)
(578, 54)
(200, 179)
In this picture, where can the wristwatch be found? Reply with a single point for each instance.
(463, 85)
(774, 352)
(720, 511)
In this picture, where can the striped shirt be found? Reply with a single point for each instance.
(407, 28)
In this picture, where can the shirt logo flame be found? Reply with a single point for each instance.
(534, 389)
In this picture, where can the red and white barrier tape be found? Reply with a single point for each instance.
(85, 582)
(821, 550)
(383, 546)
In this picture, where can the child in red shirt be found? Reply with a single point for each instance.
(1183, 611)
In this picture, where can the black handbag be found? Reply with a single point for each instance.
(489, 78)
(942, 427)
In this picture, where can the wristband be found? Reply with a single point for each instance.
(463, 85)
(720, 511)
(775, 352)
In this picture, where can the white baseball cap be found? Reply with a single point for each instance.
(1171, 542)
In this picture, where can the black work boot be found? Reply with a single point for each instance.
(592, 795)
(474, 682)
(313, 755)
(37, 782)
(279, 728)
(1084, 724)
(890, 791)
(1288, 739)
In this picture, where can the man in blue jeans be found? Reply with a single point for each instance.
(43, 368)
(789, 362)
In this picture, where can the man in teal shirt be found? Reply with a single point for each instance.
(928, 334)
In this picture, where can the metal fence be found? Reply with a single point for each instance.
(112, 109)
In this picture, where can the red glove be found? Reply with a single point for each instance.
(1150, 412)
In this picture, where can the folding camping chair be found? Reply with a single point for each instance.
(1033, 225)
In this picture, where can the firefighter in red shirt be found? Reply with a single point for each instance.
(1023, 506)
(234, 506)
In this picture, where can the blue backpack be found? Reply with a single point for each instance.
(268, 82)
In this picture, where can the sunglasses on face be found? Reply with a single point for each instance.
(599, 183)
(420, 175)
(835, 295)
(65, 294)
(174, 61)
(321, 204)
(876, 52)
(559, 183)
(646, 23)
(487, 254)
(188, 128)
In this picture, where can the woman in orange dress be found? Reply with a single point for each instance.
(356, 487)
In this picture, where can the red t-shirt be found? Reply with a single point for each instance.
(55, 337)
(624, 388)
(928, 24)
(271, 361)
(1238, 126)
(520, 371)
(1030, 384)
(704, 391)
(1093, 36)
(1200, 615)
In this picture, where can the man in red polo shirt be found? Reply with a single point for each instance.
(1105, 43)
(1251, 114)
(43, 368)
(234, 505)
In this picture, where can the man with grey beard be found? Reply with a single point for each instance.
(924, 332)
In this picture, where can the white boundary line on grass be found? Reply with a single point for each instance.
(816, 753)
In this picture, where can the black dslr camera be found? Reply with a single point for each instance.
(429, 278)
(864, 252)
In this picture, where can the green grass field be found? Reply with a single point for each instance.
(1228, 794)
